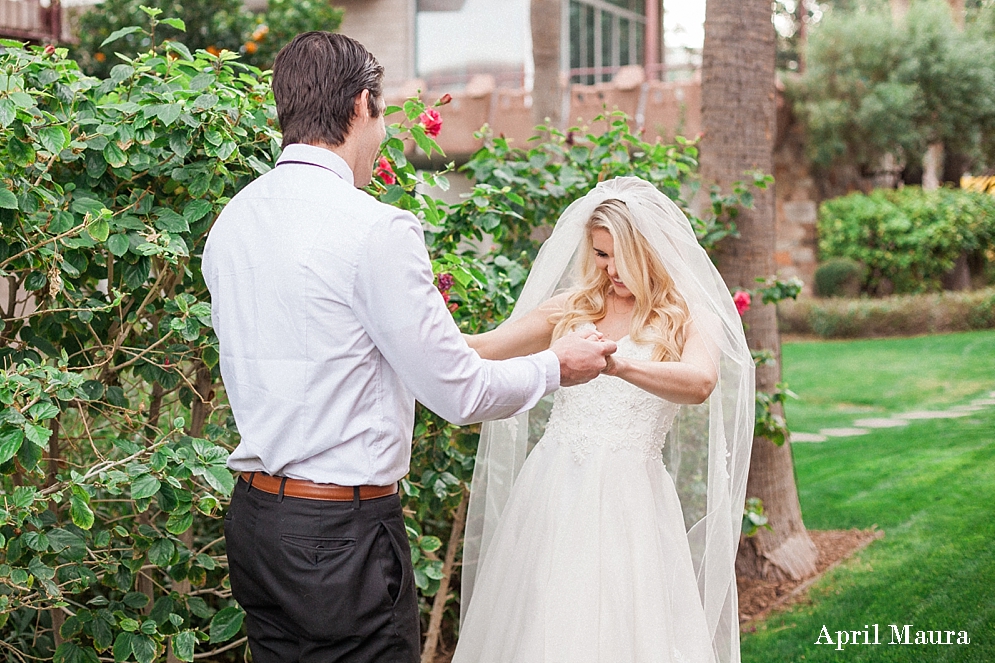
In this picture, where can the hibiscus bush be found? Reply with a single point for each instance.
(114, 426)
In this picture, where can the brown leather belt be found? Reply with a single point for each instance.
(310, 490)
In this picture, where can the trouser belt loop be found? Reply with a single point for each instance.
(252, 475)
(283, 484)
(355, 498)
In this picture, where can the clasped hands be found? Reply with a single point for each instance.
(583, 356)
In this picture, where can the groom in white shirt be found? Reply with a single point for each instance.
(330, 326)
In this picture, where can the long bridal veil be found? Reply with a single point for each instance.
(707, 452)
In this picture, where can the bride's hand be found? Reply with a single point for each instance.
(612, 365)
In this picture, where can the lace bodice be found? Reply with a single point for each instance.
(612, 413)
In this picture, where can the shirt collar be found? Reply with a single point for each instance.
(318, 156)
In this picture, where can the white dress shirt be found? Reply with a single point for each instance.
(330, 326)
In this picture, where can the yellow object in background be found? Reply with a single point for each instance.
(984, 184)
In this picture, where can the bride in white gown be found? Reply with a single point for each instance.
(587, 557)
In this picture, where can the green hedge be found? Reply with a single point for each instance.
(899, 315)
(907, 238)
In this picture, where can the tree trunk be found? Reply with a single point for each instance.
(802, 16)
(54, 457)
(442, 596)
(547, 88)
(739, 122)
(932, 167)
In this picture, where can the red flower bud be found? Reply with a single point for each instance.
(49, 49)
(444, 99)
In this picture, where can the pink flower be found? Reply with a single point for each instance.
(445, 282)
(385, 172)
(741, 299)
(432, 122)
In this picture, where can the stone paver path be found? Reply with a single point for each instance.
(864, 426)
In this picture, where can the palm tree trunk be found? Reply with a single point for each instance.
(547, 90)
(739, 122)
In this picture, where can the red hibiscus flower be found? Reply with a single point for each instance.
(432, 122)
(741, 299)
(384, 171)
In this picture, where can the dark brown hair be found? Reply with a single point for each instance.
(316, 78)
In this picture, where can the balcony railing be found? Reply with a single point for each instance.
(32, 20)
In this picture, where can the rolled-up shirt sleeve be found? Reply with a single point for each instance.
(395, 299)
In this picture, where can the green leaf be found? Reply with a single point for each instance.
(174, 23)
(199, 607)
(36, 541)
(196, 210)
(136, 600)
(210, 356)
(99, 229)
(205, 101)
(37, 434)
(94, 389)
(214, 137)
(161, 552)
(117, 34)
(21, 153)
(35, 281)
(178, 523)
(183, 644)
(221, 479)
(7, 199)
(10, 442)
(179, 142)
(40, 570)
(70, 652)
(114, 155)
(201, 81)
(118, 244)
(144, 486)
(171, 221)
(122, 646)
(43, 411)
(8, 111)
(54, 139)
(168, 113)
(258, 165)
(226, 624)
(79, 508)
(430, 543)
(22, 99)
(393, 194)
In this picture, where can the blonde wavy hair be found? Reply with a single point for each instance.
(660, 316)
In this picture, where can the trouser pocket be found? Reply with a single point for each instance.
(336, 584)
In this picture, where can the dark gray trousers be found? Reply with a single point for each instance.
(322, 582)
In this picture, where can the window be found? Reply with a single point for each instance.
(605, 35)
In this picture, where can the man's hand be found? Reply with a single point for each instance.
(583, 355)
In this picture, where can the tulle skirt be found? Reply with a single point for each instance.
(590, 563)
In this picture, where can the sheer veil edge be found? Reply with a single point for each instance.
(707, 452)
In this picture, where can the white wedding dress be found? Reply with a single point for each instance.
(590, 561)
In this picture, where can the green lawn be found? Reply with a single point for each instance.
(839, 381)
(930, 486)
